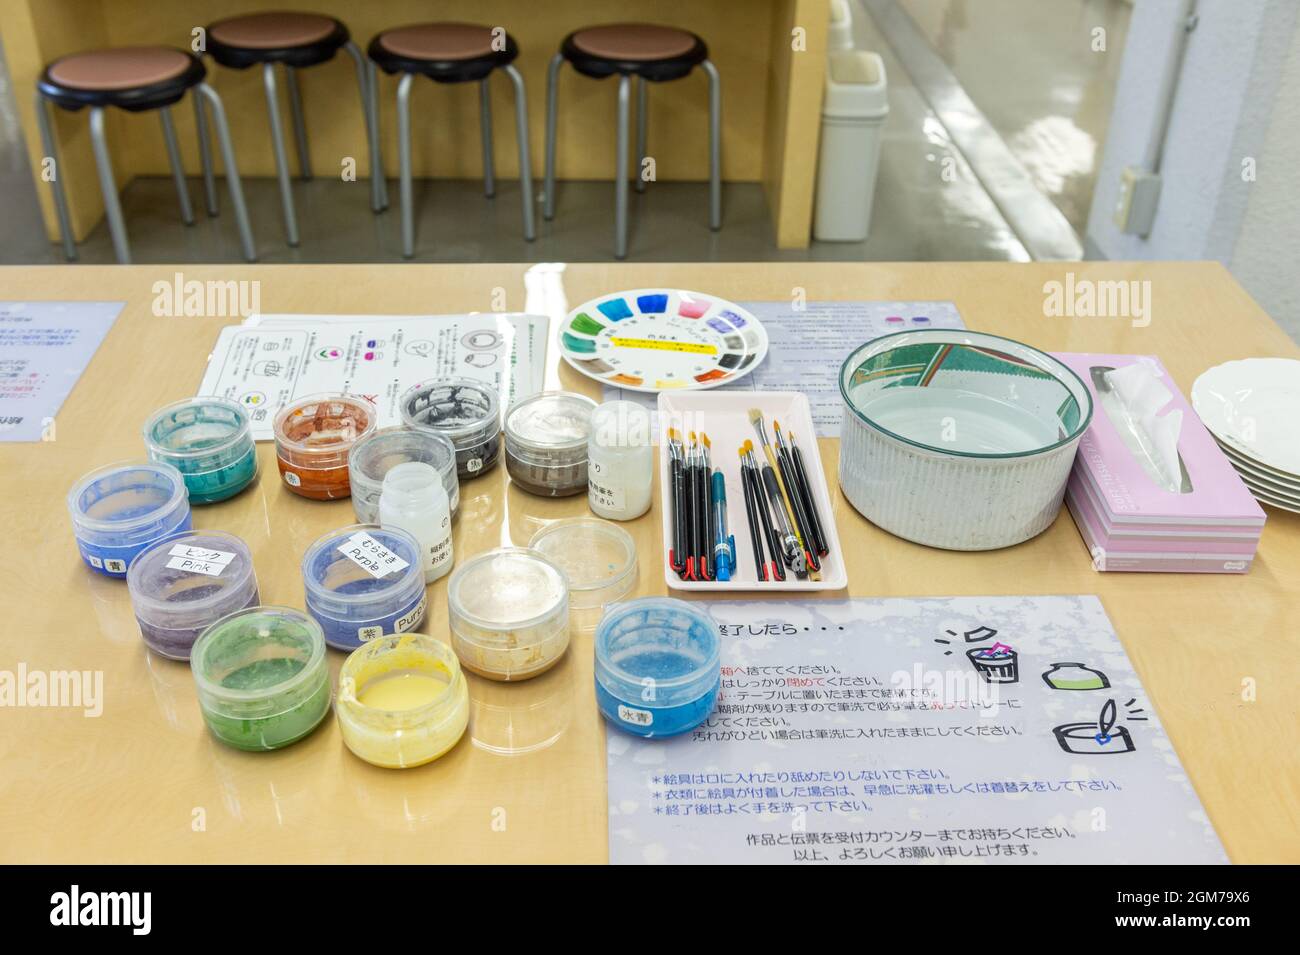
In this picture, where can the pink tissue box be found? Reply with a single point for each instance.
(1129, 521)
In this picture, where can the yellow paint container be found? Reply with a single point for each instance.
(403, 700)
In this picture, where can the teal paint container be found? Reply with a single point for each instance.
(210, 441)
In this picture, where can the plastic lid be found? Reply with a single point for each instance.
(329, 575)
(856, 86)
(192, 431)
(463, 409)
(510, 588)
(371, 458)
(597, 557)
(258, 634)
(638, 631)
(550, 421)
(320, 430)
(188, 578)
(127, 497)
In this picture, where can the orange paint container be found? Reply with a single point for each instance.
(313, 436)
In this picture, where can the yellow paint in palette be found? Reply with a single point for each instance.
(403, 700)
(694, 348)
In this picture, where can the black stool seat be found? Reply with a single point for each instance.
(295, 39)
(656, 53)
(131, 77)
(444, 52)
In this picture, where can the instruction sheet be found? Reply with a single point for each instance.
(940, 730)
(809, 342)
(273, 359)
(44, 348)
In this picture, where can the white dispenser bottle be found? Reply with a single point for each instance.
(620, 462)
(413, 498)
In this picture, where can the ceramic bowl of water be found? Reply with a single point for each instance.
(958, 439)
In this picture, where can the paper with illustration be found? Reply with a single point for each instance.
(272, 359)
(923, 730)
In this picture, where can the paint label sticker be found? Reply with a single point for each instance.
(636, 717)
(371, 556)
(115, 565)
(473, 465)
(201, 560)
(95, 562)
(366, 634)
(411, 620)
(292, 479)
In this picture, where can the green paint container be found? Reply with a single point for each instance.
(210, 441)
(262, 678)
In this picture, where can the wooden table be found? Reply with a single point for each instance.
(145, 782)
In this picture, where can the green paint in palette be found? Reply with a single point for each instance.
(584, 323)
(581, 345)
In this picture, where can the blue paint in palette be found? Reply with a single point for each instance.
(615, 309)
(719, 326)
(737, 321)
(655, 304)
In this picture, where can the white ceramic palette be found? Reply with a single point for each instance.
(724, 417)
(663, 340)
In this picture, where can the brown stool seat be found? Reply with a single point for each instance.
(438, 41)
(268, 31)
(123, 68)
(634, 41)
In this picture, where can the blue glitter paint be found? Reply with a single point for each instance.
(658, 670)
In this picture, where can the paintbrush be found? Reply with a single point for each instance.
(704, 568)
(677, 478)
(751, 515)
(818, 542)
(796, 497)
(788, 547)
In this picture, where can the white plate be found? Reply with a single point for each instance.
(1269, 479)
(724, 417)
(1269, 499)
(1254, 406)
(662, 339)
(1237, 459)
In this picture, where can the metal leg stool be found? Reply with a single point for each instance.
(452, 53)
(650, 54)
(294, 41)
(136, 79)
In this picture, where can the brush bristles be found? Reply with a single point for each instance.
(705, 439)
(755, 417)
(674, 434)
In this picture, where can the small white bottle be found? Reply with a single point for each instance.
(414, 499)
(620, 461)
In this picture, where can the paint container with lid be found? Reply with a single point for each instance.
(403, 700)
(262, 678)
(375, 455)
(658, 669)
(509, 614)
(185, 583)
(312, 439)
(210, 441)
(363, 582)
(620, 461)
(598, 560)
(546, 443)
(465, 411)
(119, 510)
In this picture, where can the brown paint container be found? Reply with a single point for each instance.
(313, 436)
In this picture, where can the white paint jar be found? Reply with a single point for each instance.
(620, 461)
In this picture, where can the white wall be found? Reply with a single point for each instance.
(1238, 97)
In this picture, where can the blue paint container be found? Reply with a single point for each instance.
(364, 582)
(119, 510)
(658, 667)
(210, 441)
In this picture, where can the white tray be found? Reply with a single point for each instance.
(724, 417)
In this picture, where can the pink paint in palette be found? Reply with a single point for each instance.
(1150, 489)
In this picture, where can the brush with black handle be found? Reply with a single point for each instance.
(751, 516)
(677, 479)
(797, 505)
(818, 543)
(770, 536)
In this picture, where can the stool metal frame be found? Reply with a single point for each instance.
(292, 59)
(645, 71)
(161, 97)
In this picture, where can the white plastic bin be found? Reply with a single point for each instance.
(854, 109)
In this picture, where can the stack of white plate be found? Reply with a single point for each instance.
(1252, 407)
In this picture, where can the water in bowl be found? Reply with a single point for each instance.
(960, 421)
